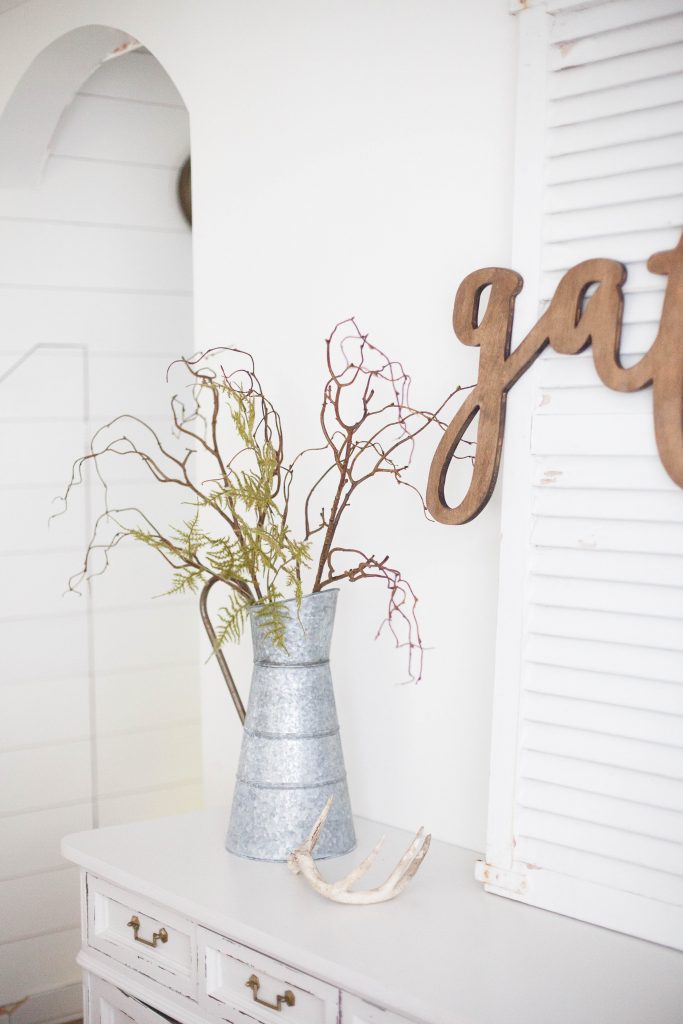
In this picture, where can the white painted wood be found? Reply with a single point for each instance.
(590, 19)
(518, 468)
(43, 711)
(59, 255)
(66, 766)
(130, 700)
(600, 193)
(160, 632)
(417, 958)
(631, 157)
(139, 78)
(610, 780)
(38, 904)
(166, 755)
(96, 298)
(152, 803)
(607, 688)
(39, 964)
(30, 842)
(108, 1005)
(630, 97)
(591, 48)
(110, 318)
(83, 192)
(59, 1006)
(634, 67)
(174, 963)
(101, 128)
(587, 783)
(22, 660)
(356, 1011)
(227, 966)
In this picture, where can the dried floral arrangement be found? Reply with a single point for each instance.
(227, 459)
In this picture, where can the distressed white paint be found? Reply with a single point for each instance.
(587, 762)
(442, 953)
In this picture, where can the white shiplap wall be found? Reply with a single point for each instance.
(99, 717)
(586, 812)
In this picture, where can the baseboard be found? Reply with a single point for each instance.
(55, 1007)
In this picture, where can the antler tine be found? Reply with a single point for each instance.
(364, 865)
(412, 868)
(314, 835)
(406, 859)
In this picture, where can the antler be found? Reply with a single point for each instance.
(301, 861)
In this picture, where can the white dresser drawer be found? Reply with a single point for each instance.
(142, 935)
(356, 1011)
(109, 1005)
(238, 978)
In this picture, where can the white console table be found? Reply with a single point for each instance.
(445, 952)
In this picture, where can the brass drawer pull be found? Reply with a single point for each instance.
(160, 936)
(288, 998)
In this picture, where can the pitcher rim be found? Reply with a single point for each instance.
(290, 600)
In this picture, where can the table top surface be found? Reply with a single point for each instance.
(444, 950)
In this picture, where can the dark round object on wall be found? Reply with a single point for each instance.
(185, 190)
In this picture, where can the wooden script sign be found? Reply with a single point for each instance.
(572, 321)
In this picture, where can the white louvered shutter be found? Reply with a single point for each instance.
(586, 807)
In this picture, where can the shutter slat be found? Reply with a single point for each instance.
(653, 758)
(612, 160)
(607, 596)
(634, 126)
(616, 566)
(593, 777)
(636, 506)
(599, 656)
(593, 434)
(594, 716)
(626, 248)
(605, 688)
(628, 815)
(592, 400)
(639, 279)
(599, 535)
(608, 871)
(603, 17)
(635, 67)
(603, 104)
(599, 193)
(632, 39)
(609, 842)
(642, 215)
(604, 870)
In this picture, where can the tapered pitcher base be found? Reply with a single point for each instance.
(291, 761)
(267, 824)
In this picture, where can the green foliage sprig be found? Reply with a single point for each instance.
(237, 529)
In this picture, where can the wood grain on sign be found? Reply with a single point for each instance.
(573, 320)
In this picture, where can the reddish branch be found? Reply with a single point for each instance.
(370, 427)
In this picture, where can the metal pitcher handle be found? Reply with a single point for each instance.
(220, 657)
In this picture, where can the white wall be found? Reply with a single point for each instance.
(351, 158)
(348, 158)
(358, 162)
(99, 709)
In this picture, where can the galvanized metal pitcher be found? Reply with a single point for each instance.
(291, 759)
